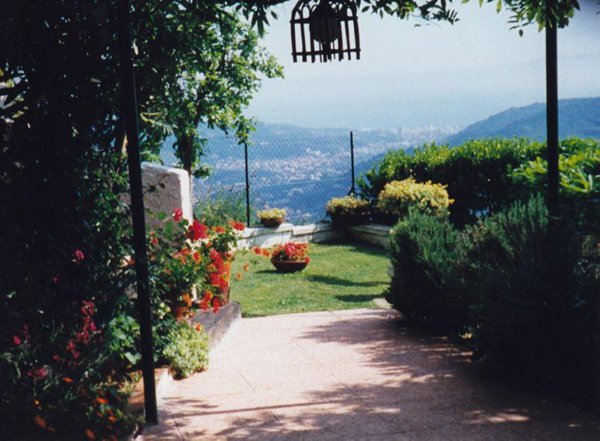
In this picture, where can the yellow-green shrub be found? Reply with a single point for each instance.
(347, 205)
(398, 196)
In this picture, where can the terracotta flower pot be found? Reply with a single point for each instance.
(289, 266)
(271, 223)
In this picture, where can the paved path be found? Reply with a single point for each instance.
(353, 375)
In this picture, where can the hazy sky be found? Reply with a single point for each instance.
(437, 73)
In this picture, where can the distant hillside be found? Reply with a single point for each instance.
(577, 117)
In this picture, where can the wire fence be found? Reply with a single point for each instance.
(297, 174)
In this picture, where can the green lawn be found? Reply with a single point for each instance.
(338, 277)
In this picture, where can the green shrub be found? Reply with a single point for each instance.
(526, 292)
(476, 173)
(427, 285)
(533, 297)
(187, 351)
(219, 207)
(579, 168)
(398, 196)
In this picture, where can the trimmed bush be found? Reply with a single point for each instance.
(427, 286)
(476, 173)
(398, 196)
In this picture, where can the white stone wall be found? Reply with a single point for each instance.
(166, 188)
(268, 237)
(372, 234)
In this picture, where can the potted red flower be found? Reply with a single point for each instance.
(290, 257)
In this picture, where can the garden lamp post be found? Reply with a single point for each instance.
(129, 110)
(552, 110)
(324, 30)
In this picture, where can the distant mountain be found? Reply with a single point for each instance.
(577, 117)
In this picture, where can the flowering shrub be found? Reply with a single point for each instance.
(398, 196)
(347, 205)
(185, 257)
(64, 378)
(291, 251)
(272, 214)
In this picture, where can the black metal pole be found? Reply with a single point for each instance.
(130, 116)
(247, 186)
(552, 111)
(353, 188)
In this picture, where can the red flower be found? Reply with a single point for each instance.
(177, 214)
(78, 255)
(197, 231)
(88, 308)
(72, 349)
(16, 340)
(257, 251)
(216, 305)
(39, 373)
(216, 258)
(237, 225)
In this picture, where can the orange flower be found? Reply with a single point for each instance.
(112, 419)
(198, 327)
(187, 300)
(197, 257)
(40, 422)
(101, 400)
(89, 434)
(67, 379)
(238, 276)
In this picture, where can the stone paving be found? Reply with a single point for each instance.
(353, 375)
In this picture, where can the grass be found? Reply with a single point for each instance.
(339, 276)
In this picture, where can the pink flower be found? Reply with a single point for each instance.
(177, 214)
(78, 255)
(16, 340)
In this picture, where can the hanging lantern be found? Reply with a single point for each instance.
(324, 30)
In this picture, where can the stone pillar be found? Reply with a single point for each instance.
(166, 188)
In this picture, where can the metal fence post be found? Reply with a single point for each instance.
(247, 186)
(353, 188)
